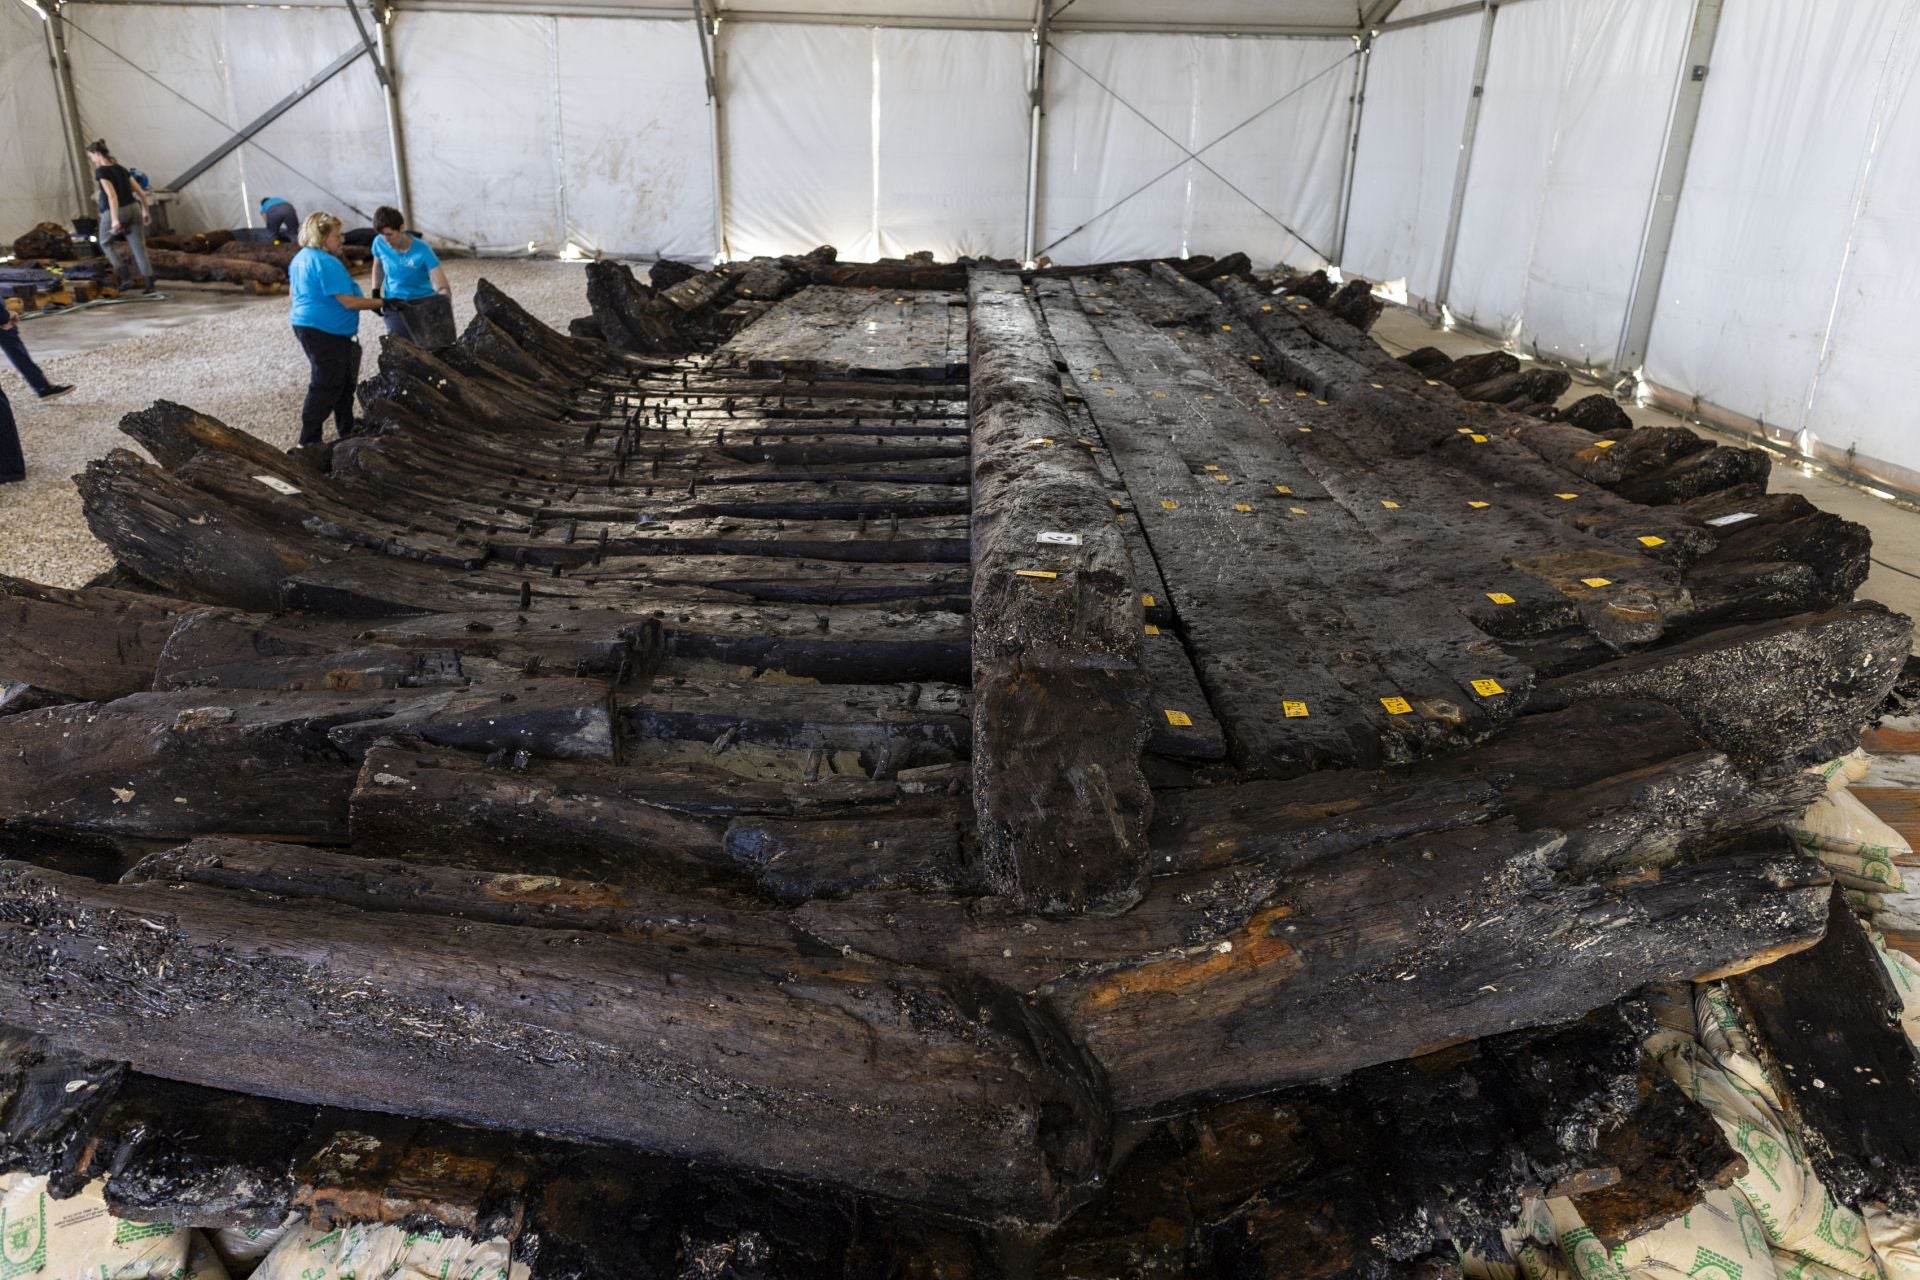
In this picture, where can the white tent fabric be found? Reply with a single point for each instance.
(35, 183)
(1417, 93)
(1122, 107)
(1792, 264)
(1578, 97)
(879, 141)
(165, 86)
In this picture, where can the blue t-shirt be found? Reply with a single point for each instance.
(314, 277)
(405, 274)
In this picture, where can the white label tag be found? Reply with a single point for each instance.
(1735, 518)
(276, 484)
(1059, 539)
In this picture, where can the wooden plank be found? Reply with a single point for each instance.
(824, 332)
(760, 1058)
(1058, 689)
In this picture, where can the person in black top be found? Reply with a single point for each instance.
(118, 194)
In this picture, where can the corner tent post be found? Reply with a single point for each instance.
(69, 107)
(1465, 163)
(1657, 240)
(707, 24)
(1352, 153)
(396, 137)
(1036, 116)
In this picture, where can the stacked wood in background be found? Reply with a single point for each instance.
(1121, 788)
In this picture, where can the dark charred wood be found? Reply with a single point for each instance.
(1829, 1023)
(92, 644)
(1599, 413)
(749, 1057)
(629, 314)
(1059, 692)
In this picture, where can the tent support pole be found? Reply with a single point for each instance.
(708, 25)
(69, 108)
(396, 134)
(1036, 117)
(1465, 163)
(1657, 240)
(1352, 153)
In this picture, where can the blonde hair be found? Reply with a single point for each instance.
(317, 227)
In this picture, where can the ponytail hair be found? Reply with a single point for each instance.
(99, 147)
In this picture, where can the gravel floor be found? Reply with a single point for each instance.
(240, 365)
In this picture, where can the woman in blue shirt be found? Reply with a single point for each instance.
(405, 268)
(324, 301)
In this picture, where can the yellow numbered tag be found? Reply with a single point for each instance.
(1488, 688)
(1086, 443)
(1294, 710)
(1266, 308)
(1241, 506)
(1039, 440)
(1169, 504)
(1477, 439)
(1651, 541)
(1224, 478)
(1432, 383)
(1117, 503)
(1598, 582)
(1566, 497)
(1209, 467)
(1319, 401)
(1391, 506)
(1280, 488)
(1299, 395)
(1255, 359)
(1377, 386)
(1464, 431)
(1226, 328)
(1152, 630)
(1266, 399)
(1299, 511)
(1499, 597)
(1206, 397)
(1159, 395)
(1306, 431)
(1396, 706)
(1479, 506)
(1035, 573)
(1178, 719)
(1147, 601)
(1603, 444)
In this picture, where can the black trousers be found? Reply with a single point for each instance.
(283, 221)
(16, 349)
(12, 465)
(336, 367)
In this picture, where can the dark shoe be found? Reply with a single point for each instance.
(11, 479)
(149, 287)
(56, 391)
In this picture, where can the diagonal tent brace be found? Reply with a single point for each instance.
(272, 113)
(1189, 155)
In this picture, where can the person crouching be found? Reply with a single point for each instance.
(325, 299)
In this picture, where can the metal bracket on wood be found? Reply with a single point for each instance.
(1657, 240)
(1465, 163)
(267, 117)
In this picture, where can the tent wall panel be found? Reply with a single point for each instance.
(952, 142)
(1417, 93)
(35, 183)
(635, 145)
(1785, 184)
(1578, 97)
(1120, 107)
(475, 88)
(801, 149)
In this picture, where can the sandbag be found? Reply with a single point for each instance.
(1851, 841)
(79, 1237)
(387, 1253)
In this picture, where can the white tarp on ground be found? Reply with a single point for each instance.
(879, 141)
(1578, 96)
(1788, 295)
(35, 184)
(1120, 109)
(1417, 94)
